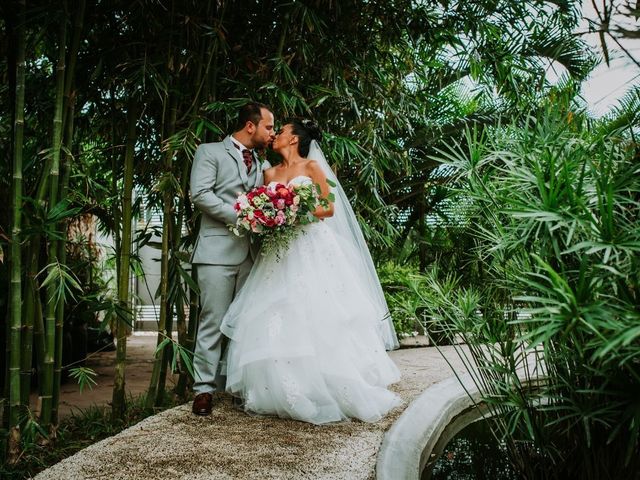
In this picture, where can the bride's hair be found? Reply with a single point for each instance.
(307, 131)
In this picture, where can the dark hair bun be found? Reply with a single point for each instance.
(314, 130)
(307, 131)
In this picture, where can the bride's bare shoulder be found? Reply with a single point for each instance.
(311, 163)
(312, 166)
(269, 174)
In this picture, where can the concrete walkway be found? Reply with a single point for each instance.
(230, 444)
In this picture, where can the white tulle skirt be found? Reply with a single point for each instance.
(304, 342)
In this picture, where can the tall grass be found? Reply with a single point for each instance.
(556, 199)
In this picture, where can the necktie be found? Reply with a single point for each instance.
(248, 158)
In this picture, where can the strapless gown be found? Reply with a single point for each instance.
(303, 341)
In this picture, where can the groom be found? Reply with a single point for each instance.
(222, 260)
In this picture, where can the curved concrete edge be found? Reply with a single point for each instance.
(408, 444)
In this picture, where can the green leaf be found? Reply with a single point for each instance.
(84, 376)
(64, 281)
(61, 210)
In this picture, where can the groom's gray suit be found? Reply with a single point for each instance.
(222, 260)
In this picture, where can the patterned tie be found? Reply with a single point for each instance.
(248, 159)
(247, 156)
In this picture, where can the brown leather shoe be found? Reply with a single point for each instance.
(202, 404)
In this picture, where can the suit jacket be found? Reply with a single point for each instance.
(218, 175)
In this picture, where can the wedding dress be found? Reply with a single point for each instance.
(305, 336)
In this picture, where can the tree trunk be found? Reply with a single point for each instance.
(118, 400)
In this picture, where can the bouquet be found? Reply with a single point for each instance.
(275, 213)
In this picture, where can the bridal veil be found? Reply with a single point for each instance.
(345, 225)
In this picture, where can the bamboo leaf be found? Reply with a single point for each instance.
(84, 376)
(63, 281)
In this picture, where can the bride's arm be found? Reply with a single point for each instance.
(319, 178)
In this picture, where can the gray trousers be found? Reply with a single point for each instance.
(218, 286)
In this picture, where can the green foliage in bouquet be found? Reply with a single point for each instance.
(277, 213)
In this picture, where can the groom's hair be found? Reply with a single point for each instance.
(249, 112)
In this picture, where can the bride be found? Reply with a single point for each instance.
(308, 332)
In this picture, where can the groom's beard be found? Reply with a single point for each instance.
(261, 145)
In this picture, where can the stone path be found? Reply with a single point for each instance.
(230, 444)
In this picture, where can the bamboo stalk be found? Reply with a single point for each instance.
(118, 404)
(192, 327)
(155, 393)
(69, 104)
(62, 258)
(34, 323)
(212, 74)
(181, 323)
(54, 176)
(114, 182)
(167, 129)
(181, 327)
(16, 233)
(78, 24)
(165, 360)
(187, 338)
(26, 360)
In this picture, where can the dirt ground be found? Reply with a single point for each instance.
(140, 348)
(230, 444)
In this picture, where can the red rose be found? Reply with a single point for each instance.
(259, 214)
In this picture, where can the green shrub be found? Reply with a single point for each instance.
(555, 204)
(399, 283)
